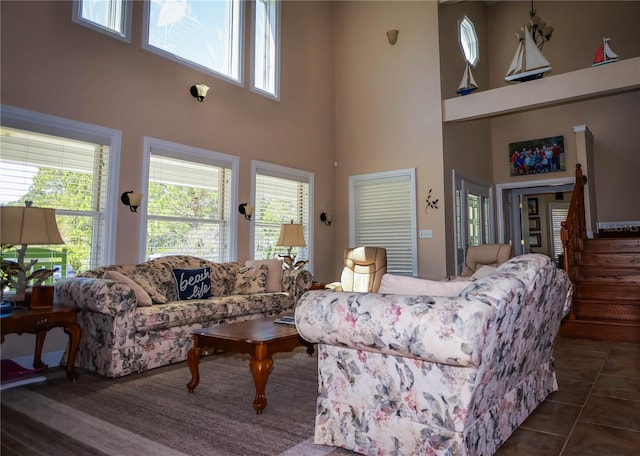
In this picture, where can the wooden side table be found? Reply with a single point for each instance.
(39, 322)
(318, 286)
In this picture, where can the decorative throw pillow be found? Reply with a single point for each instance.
(142, 297)
(150, 288)
(193, 283)
(274, 273)
(403, 285)
(251, 280)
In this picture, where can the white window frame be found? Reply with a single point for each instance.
(183, 61)
(58, 126)
(125, 12)
(275, 62)
(270, 169)
(184, 152)
(402, 173)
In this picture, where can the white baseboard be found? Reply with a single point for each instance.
(52, 359)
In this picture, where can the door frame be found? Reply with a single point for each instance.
(524, 188)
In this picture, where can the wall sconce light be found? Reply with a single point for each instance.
(326, 218)
(132, 200)
(392, 36)
(246, 210)
(199, 91)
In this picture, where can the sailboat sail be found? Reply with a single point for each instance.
(604, 54)
(468, 83)
(528, 62)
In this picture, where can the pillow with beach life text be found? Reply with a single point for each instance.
(193, 283)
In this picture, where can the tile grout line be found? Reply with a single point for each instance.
(575, 423)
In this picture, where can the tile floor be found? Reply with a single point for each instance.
(596, 411)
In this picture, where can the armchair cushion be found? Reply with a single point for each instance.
(486, 254)
(363, 269)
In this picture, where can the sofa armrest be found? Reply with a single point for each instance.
(104, 296)
(437, 329)
(296, 282)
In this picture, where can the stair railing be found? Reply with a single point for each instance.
(574, 230)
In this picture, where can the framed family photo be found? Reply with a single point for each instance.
(537, 156)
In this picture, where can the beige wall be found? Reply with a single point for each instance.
(388, 114)
(54, 66)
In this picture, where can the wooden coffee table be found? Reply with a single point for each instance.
(259, 338)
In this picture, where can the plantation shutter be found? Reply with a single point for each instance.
(558, 215)
(279, 199)
(383, 210)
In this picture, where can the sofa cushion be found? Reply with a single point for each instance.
(142, 297)
(403, 285)
(149, 287)
(193, 283)
(251, 280)
(274, 273)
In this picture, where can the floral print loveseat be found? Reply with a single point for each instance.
(120, 336)
(428, 375)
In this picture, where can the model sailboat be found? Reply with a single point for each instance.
(528, 63)
(467, 84)
(604, 54)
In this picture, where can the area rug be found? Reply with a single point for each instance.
(153, 414)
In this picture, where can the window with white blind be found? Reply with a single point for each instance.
(281, 195)
(188, 202)
(266, 42)
(382, 214)
(69, 173)
(558, 212)
(111, 17)
(204, 34)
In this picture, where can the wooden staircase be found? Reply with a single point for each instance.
(605, 272)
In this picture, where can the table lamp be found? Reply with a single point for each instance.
(291, 236)
(26, 226)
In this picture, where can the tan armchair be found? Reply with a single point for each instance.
(363, 270)
(485, 255)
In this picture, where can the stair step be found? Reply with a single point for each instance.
(611, 260)
(609, 245)
(618, 310)
(606, 291)
(613, 331)
(608, 275)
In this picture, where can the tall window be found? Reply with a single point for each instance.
(282, 195)
(112, 17)
(266, 39)
(189, 202)
(382, 214)
(558, 212)
(205, 34)
(64, 173)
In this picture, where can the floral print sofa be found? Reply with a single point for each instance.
(121, 336)
(429, 375)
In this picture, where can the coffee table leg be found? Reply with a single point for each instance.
(193, 359)
(260, 365)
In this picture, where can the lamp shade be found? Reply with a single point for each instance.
(28, 226)
(291, 235)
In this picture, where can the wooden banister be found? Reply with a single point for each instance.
(573, 230)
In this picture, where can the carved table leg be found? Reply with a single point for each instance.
(260, 365)
(74, 332)
(37, 358)
(193, 359)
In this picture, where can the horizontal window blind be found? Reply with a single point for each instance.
(558, 215)
(61, 173)
(279, 200)
(188, 207)
(383, 210)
